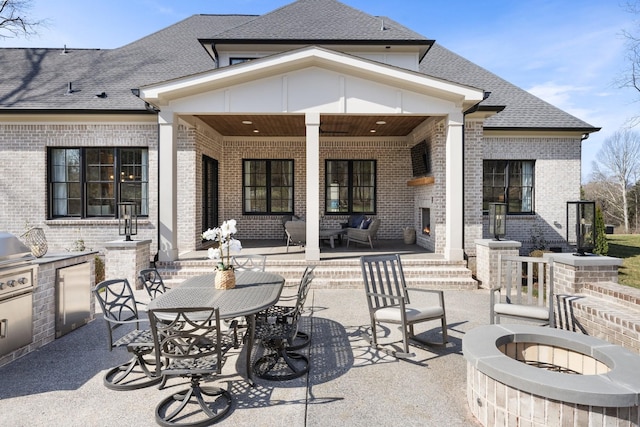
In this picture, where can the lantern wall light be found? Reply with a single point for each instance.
(127, 220)
(497, 220)
(581, 226)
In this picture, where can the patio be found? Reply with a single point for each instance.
(349, 383)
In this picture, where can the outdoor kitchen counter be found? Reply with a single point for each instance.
(44, 297)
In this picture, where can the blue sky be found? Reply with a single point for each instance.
(568, 52)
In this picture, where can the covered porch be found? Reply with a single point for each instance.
(309, 107)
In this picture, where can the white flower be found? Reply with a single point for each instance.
(235, 245)
(214, 253)
(226, 243)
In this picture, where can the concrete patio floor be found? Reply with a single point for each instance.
(349, 383)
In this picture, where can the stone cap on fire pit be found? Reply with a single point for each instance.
(615, 385)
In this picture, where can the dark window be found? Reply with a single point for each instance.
(267, 186)
(350, 186)
(90, 182)
(209, 193)
(510, 182)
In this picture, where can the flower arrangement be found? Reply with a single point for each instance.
(226, 244)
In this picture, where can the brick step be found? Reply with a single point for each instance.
(340, 274)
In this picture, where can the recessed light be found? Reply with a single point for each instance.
(372, 131)
(256, 131)
(381, 122)
(247, 122)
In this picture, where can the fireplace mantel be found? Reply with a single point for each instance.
(425, 180)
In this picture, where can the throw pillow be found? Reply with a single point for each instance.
(365, 223)
(355, 220)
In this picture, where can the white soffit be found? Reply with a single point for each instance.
(165, 92)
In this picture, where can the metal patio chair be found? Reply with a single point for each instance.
(152, 282)
(388, 301)
(120, 309)
(250, 262)
(189, 344)
(277, 330)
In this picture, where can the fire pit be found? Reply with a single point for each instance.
(545, 377)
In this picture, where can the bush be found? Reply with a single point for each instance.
(601, 246)
(99, 269)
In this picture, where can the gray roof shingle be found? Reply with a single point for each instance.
(320, 20)
(37, 79)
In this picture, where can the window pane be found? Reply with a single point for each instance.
(508, 182)
(350, 186)
(268, 186)
(103, 167)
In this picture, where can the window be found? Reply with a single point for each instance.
(510, 182)
(209, 193)
(350, 186)
(267, 186)
(90, 182)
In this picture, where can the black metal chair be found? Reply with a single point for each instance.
(151, 280)
(388, 301)
(277, 330)
(251, 262)
(120, 308)
(189, 344)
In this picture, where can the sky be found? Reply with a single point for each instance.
(568, 52)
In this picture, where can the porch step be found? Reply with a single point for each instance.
(339, 274)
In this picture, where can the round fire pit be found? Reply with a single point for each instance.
(546, 377)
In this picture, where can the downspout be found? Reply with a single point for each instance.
(155, 110)
(471, 110)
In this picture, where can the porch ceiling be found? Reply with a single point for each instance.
(289, 125)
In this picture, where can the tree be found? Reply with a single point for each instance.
(14, 20)
(617, 165)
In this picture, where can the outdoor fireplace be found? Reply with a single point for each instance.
(552, 377)
(426, 221)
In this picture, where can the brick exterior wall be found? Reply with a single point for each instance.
(23, 187)
(556, 181)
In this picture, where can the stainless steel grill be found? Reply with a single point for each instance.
(17, 283)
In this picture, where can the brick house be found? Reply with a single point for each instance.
(314, 109)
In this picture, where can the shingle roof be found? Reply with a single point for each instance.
(522, 109)
(37, 79)
(320, 20)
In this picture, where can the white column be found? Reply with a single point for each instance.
(454, 245)
(167, 184)
(312, 248)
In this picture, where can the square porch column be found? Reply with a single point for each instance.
(167, 182)
(312, 247)
(454, 209)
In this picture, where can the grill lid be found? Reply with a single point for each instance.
(12, 249)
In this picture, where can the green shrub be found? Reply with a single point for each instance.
(601, 246)
(99, 269)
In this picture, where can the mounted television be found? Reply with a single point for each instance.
(421, 158)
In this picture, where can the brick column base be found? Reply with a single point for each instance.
(124, 260)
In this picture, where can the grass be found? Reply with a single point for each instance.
(627, 247)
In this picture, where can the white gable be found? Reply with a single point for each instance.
(311, 79)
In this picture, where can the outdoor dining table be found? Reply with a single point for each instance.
(254, 292)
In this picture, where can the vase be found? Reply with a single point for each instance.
(225, 279)
(36, 241)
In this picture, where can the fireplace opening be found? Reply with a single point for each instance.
(426, 221)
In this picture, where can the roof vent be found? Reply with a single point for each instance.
(69, 89)
(101, 95)
(64, 50)
(382, 27)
